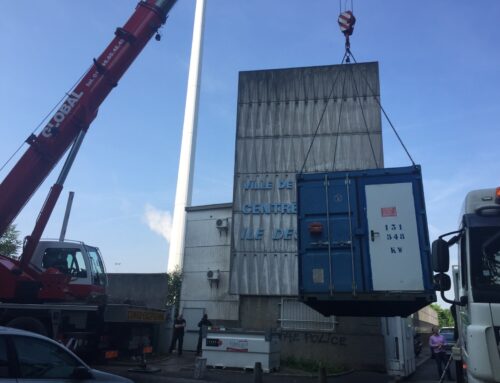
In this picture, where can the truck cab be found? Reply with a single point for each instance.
(80, 262)
(477, 283)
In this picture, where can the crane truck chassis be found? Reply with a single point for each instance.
(97, 329)
(476, 285)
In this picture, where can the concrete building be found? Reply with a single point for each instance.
(205, 273)
(288, 121)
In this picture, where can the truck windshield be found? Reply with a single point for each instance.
(66, 260)
(98, 274)
(485, 263)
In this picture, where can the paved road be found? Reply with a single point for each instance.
(428, 372)
(180, 370)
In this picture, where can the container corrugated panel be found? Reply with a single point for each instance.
(363, 242)
(280, 114)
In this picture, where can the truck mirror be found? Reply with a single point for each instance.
(442, 282)
(440, 256)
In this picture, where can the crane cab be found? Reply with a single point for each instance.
(81, 263)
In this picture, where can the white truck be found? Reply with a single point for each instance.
(477, 285)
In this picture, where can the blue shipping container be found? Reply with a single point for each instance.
(363, 242)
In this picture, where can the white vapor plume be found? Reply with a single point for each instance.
(158, 221)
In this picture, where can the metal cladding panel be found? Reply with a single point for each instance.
(364, 243)
(329, 114)
(308, 83)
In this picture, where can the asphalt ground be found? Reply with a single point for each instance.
(180, 369)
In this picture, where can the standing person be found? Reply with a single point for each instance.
(178, 334)
(204, 322)
(436, 342)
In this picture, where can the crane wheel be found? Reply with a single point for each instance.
(28, 324)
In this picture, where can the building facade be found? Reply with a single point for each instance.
(288, 121)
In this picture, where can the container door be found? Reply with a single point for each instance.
(346, 268)
(330, 254)
(393, 237)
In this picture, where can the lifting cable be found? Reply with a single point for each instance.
(45, 119)
(339, 121)
(346, 23)
(318, 125)
(385, 114)
(358, 98)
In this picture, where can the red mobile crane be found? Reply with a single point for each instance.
(57, 272)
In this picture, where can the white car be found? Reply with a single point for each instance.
(29, 357)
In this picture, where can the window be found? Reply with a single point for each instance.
(296, 315)
(4, 360)
(40, 359)
(98, 274)
(463, 261)
(67, 261)
(485, 263)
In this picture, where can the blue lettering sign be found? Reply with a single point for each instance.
(248, 235)
(257, 185)
(277, 234)
(270, 208)
(285, 184)
(259, 233)
(285, 234)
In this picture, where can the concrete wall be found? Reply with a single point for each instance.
(339, 349)
(425, 319)
(355, 343)
(148, 290)
(207, 247)
(259, 312)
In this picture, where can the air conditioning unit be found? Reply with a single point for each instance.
(222, 223)
(213, 276)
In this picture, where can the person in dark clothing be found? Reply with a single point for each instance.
(203, 323)
(178, 334)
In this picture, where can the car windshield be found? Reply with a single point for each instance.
(485, 261)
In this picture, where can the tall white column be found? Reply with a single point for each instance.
(188, 147)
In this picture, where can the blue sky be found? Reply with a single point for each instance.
(440, 79)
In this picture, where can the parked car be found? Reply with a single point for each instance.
(26, 355)
(449, 338)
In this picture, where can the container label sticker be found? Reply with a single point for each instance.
(237, 345)
(389, 212)
(318, 276)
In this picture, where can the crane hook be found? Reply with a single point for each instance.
(346, 22)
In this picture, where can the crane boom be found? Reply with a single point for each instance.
(79, 108)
